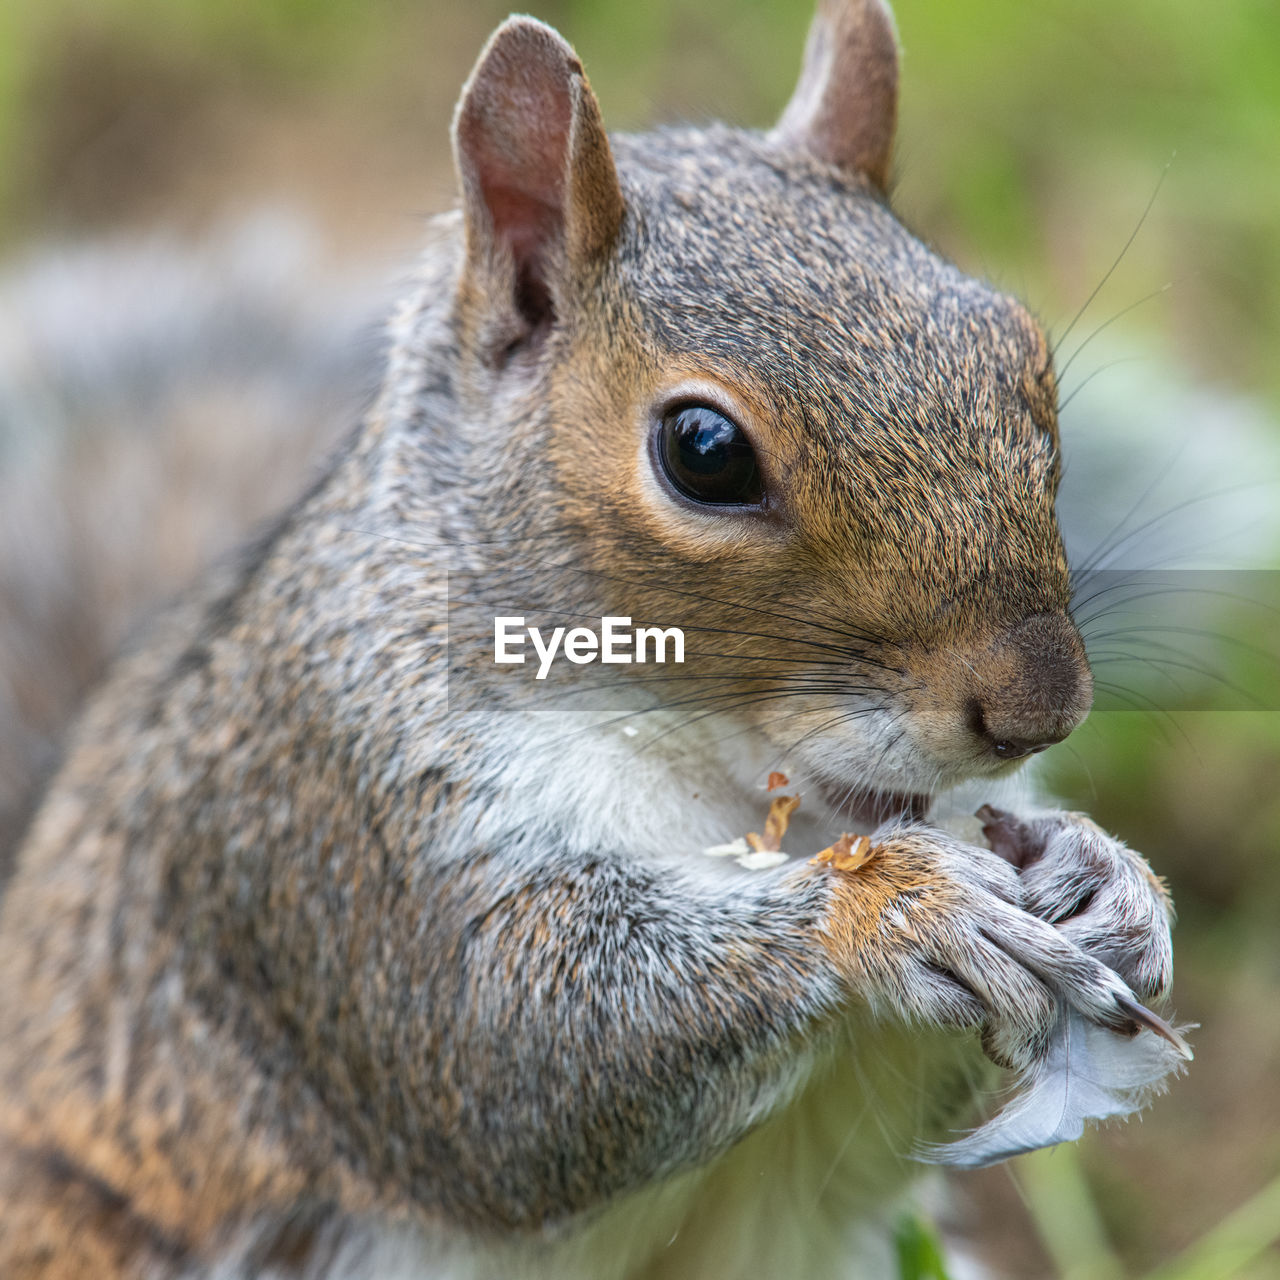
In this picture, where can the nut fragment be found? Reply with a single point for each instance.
(847, 854)
(775, 825)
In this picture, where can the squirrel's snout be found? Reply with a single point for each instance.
(1035, 689)
(1010, 695)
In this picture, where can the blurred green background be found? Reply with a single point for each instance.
(1032, 134)
(1032, 137)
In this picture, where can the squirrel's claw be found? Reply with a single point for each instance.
(1143, 1017)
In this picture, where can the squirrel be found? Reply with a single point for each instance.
(337, 949)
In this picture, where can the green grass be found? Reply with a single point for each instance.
(1063, 1208)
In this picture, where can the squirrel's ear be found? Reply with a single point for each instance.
(540, 190)
(845, 107)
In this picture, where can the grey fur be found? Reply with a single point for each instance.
(314, 927)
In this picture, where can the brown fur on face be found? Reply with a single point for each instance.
(903, 418)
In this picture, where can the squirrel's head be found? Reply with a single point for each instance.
(714, 381)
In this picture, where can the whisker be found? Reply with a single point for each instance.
(1140, 702)
(722, 711)
(1091, 561)
(1106, 324)
(1200, 633)
(1097, 289)
(844, 631)
(1084, 382)
(853, 714)
(845, 652)
(1178, 509)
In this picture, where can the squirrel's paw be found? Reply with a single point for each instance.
(934, 931)
(1098, 893)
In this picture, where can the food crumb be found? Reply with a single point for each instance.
(847, 854)
(761, 859)
(733, 849)
(775, 825)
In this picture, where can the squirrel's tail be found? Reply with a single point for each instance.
(155, 403)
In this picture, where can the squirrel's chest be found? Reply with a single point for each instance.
(818, 1189)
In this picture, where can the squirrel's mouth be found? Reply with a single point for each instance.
(868, 807)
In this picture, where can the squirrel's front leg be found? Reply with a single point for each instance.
(603, 1023)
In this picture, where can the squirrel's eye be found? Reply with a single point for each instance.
(708, 458)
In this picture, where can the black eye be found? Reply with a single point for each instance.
(708, 458)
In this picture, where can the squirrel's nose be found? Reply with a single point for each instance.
(1044, 693)
(1005, 745)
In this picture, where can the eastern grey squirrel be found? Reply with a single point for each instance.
(337, 949)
